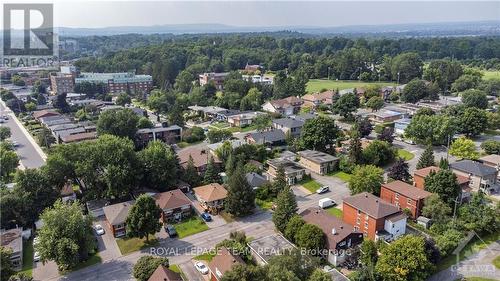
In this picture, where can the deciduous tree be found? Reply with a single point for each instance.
(159, 166)
(319, 134)
(146, 265)
(464, 148)
(143, 218)
(121, 123)
(444, 183)
(399, 171)
(366, 178)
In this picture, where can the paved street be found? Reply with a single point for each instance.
(28, 150)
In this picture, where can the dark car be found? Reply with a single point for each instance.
(206, 217)
(170, 229)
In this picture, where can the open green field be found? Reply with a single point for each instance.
(316, 85)
(491, 74)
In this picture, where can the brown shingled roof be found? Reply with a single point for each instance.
(211, 192)
(327, 223)
(44, 113)
(162, 273)
(172, 199)
(407, 190)
(223, 262)
(424, 172)
(200, 156)
(371, 205)
(117, 213)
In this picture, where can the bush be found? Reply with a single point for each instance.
(491, 146)
(263, 192)
(193, 135)
(146, 265)
(345, 165)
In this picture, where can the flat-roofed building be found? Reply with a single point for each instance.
(293, 172)
(13, 240)
(318, 162)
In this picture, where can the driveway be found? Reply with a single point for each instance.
(216, 220)
(191, 273)
(45, 271)
(338, 191)
(108, 249)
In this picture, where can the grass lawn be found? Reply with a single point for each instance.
(94, 259)
(220, 125)
(28, 257)
(264, 204)
(336, 212)
(496, 262)
(491, 74)
(190, 226)
(316, 85)
(129, 245)
(474, 246)
(227, 216)
(183, 144)
(205, 256)
(310, 185)
(341, 175)
(405, 154)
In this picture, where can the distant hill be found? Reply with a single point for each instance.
(490, 28)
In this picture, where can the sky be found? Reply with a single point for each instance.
(92, 14)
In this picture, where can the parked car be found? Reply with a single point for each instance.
(36, 240)
(5, 117)
(206, 217)
(36, 256)
(323, 189)
(99, 230)
(170, 229)
(14, 143)
(326, 203)
(201, 268)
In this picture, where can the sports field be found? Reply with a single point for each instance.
(491, 74)
(316, 85)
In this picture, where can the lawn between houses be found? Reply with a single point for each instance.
(310, 185)
(190, 226)
(133, 244)
(341, 175)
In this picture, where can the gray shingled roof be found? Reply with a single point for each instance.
(289, 122)
(473, 167)
(255, 180)
(268, 136)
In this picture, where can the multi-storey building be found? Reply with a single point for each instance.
(217, 78)
(404, 196)
(61, 83)
(119, 82)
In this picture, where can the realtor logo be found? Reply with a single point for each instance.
(28, 33)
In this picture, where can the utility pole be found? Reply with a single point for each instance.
(398, 77)
(448, 148)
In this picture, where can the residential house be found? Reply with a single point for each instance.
(175, 205)
(318, 162)
(373, 216)
(44, 113)
(317, 99)
(96, 207)
(339, 235)
(263, 249)
(78, 137)
(404, 196)
(169, 135)
(67, 193)
(201, 157)
(463, 181)
(234, 144)
(385, 116)
(13, 240)
(401, 125)
(492, 160)
(268, 138)
(211, 196)
(116, 215)
(243, 119)
(163, 273)
(216, 78)
(289, 126)
(255, 180)
(222, 263)
(253, 67)
(287, 106)
(481, 176)
(293, 172)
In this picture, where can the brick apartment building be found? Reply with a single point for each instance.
(463, 181)
(404, 196)
(61, 83)
(217, 78)
(374, 217)
(121, 82)
(169, 135)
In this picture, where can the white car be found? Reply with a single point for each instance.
(202, 268)
(36, 241)
(98, 229)
(36, 256)
(322, 189)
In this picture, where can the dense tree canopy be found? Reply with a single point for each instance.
(319, 134)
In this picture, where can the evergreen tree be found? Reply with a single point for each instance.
(211, 174)
(355, 149)
(143, 218)
(286, 207)
(240, 199)
(191, 174)
(399, 171)
(426, 159)
(279, 182)
(230, 164)
(443, 163)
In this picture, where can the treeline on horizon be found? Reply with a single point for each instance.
(339, 57)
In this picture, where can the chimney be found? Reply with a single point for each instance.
(334, 231)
